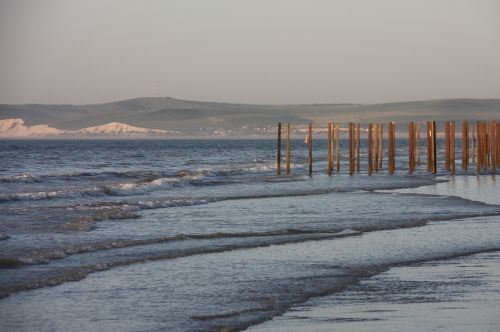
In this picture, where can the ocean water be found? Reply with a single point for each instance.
(200, 235)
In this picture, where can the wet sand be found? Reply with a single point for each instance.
(461, 294)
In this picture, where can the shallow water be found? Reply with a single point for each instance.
(199, 235)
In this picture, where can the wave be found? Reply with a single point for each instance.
(46, 255)
(245, 168)
(120, 189)
(61, 275)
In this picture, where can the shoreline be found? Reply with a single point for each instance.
(455, 294)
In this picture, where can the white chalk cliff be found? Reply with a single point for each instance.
(18, 128)
(117, 128)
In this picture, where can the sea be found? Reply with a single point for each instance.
(202, 235)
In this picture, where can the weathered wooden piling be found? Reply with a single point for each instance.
(375, 147)
(473, 141)
(434, 159)
(447, 126)
(465, 145)
(418, 144)
(278, 161)
(370, 149)
(337, 146)
(498, 144)
(351, 148)
(330, 149)
(429, 147)
(411, 146)
(494, 142)
(452, 147)
(357, 146)
(478, 147)
(489, 153)
(310, 146)
(288, 148)
(381, 146)
(391, 144)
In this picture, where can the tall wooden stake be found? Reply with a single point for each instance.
(473, 142)
(370, 146)
(330, 149)
(418, 144)
(392, 131)
(452, 147)
(429, 147)
(310, 146)
(447, 145)
(357, 147)
(494, 139)
(278, 161)
(375, 146)
(381, 146)
(478, 147)
(351, 148)
(465, 145)
(288, 149)
(434, 160)
(337, 147)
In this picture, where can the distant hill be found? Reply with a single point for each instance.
(210, 118)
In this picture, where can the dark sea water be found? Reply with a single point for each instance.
(200, 235)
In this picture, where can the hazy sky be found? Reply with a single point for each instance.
(252, 51)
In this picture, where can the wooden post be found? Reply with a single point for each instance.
(391, 147)
(411, 146)
(309, 144)
(429, 147)
(488, 145)
(473, 141)
(494, 138)
(288, 148)
(351, 148)
(447, 145)
(357, 146)
(381, 146)
(452, 147)
(418, 144)
(465, 145)
(478, 147)
(498, 144)
(375, 147)
(330, 149)
(434, 160)
(483, 145)
(337, 141)
(278, 161)
(370, 145)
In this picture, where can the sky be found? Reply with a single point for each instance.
(248, 51)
